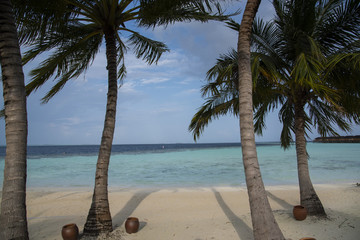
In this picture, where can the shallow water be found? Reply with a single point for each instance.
(185, 165)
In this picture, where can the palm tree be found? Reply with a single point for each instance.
(77, 45)
(263, 221)
(13, 223)
(33, 17)
(305, 59)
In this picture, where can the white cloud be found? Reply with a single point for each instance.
(190, 91)
(71, 121)
(128, 87)
(154, 80)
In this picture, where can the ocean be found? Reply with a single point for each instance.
(185, 165)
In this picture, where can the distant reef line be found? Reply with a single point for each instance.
(340, 139)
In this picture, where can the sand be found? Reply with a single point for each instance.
(195, 214)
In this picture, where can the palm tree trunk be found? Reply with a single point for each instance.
(13, 222)
(99, 217)
(263, 221)
(308, 196)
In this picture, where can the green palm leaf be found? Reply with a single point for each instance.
(147, 49)
(306, 58)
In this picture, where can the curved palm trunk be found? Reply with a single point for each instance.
(308, 196)
(13, 222)
(99, 217)
(263, 221)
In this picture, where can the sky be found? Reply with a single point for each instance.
(155, 103)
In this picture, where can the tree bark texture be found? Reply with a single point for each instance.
(308, 197)
(263, 221)
(13, 224)
(99, 217)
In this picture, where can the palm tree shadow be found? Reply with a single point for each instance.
(242, 229)
(129, 208)
(280, 201)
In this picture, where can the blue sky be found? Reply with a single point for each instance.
(155, 103)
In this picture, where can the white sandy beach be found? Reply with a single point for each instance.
(196, 214)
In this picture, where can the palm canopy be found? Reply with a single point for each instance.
(75, 48)
(308, 56)
(35, 18)
(164, 12)
(75, 43)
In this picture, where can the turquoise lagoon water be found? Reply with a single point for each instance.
(185, 165)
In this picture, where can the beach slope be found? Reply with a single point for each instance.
(196, 213)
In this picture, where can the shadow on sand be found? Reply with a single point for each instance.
(242, 229)
(287, 206)
(129, 208)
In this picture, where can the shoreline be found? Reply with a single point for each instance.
(195, 213)
(331, 184)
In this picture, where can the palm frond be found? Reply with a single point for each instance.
(339, 25)
(68, 60)
(222, 75)
(35, 18)
(324, 118)
(147, 49)
(286, 117)
(265, 37)
(57, 87)
(306, 70)
(121, 73)
(232, 24)
(213, 108)
(266, 98)
(94, 11)
(267, 67)
(261, 112)
(164, 12)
